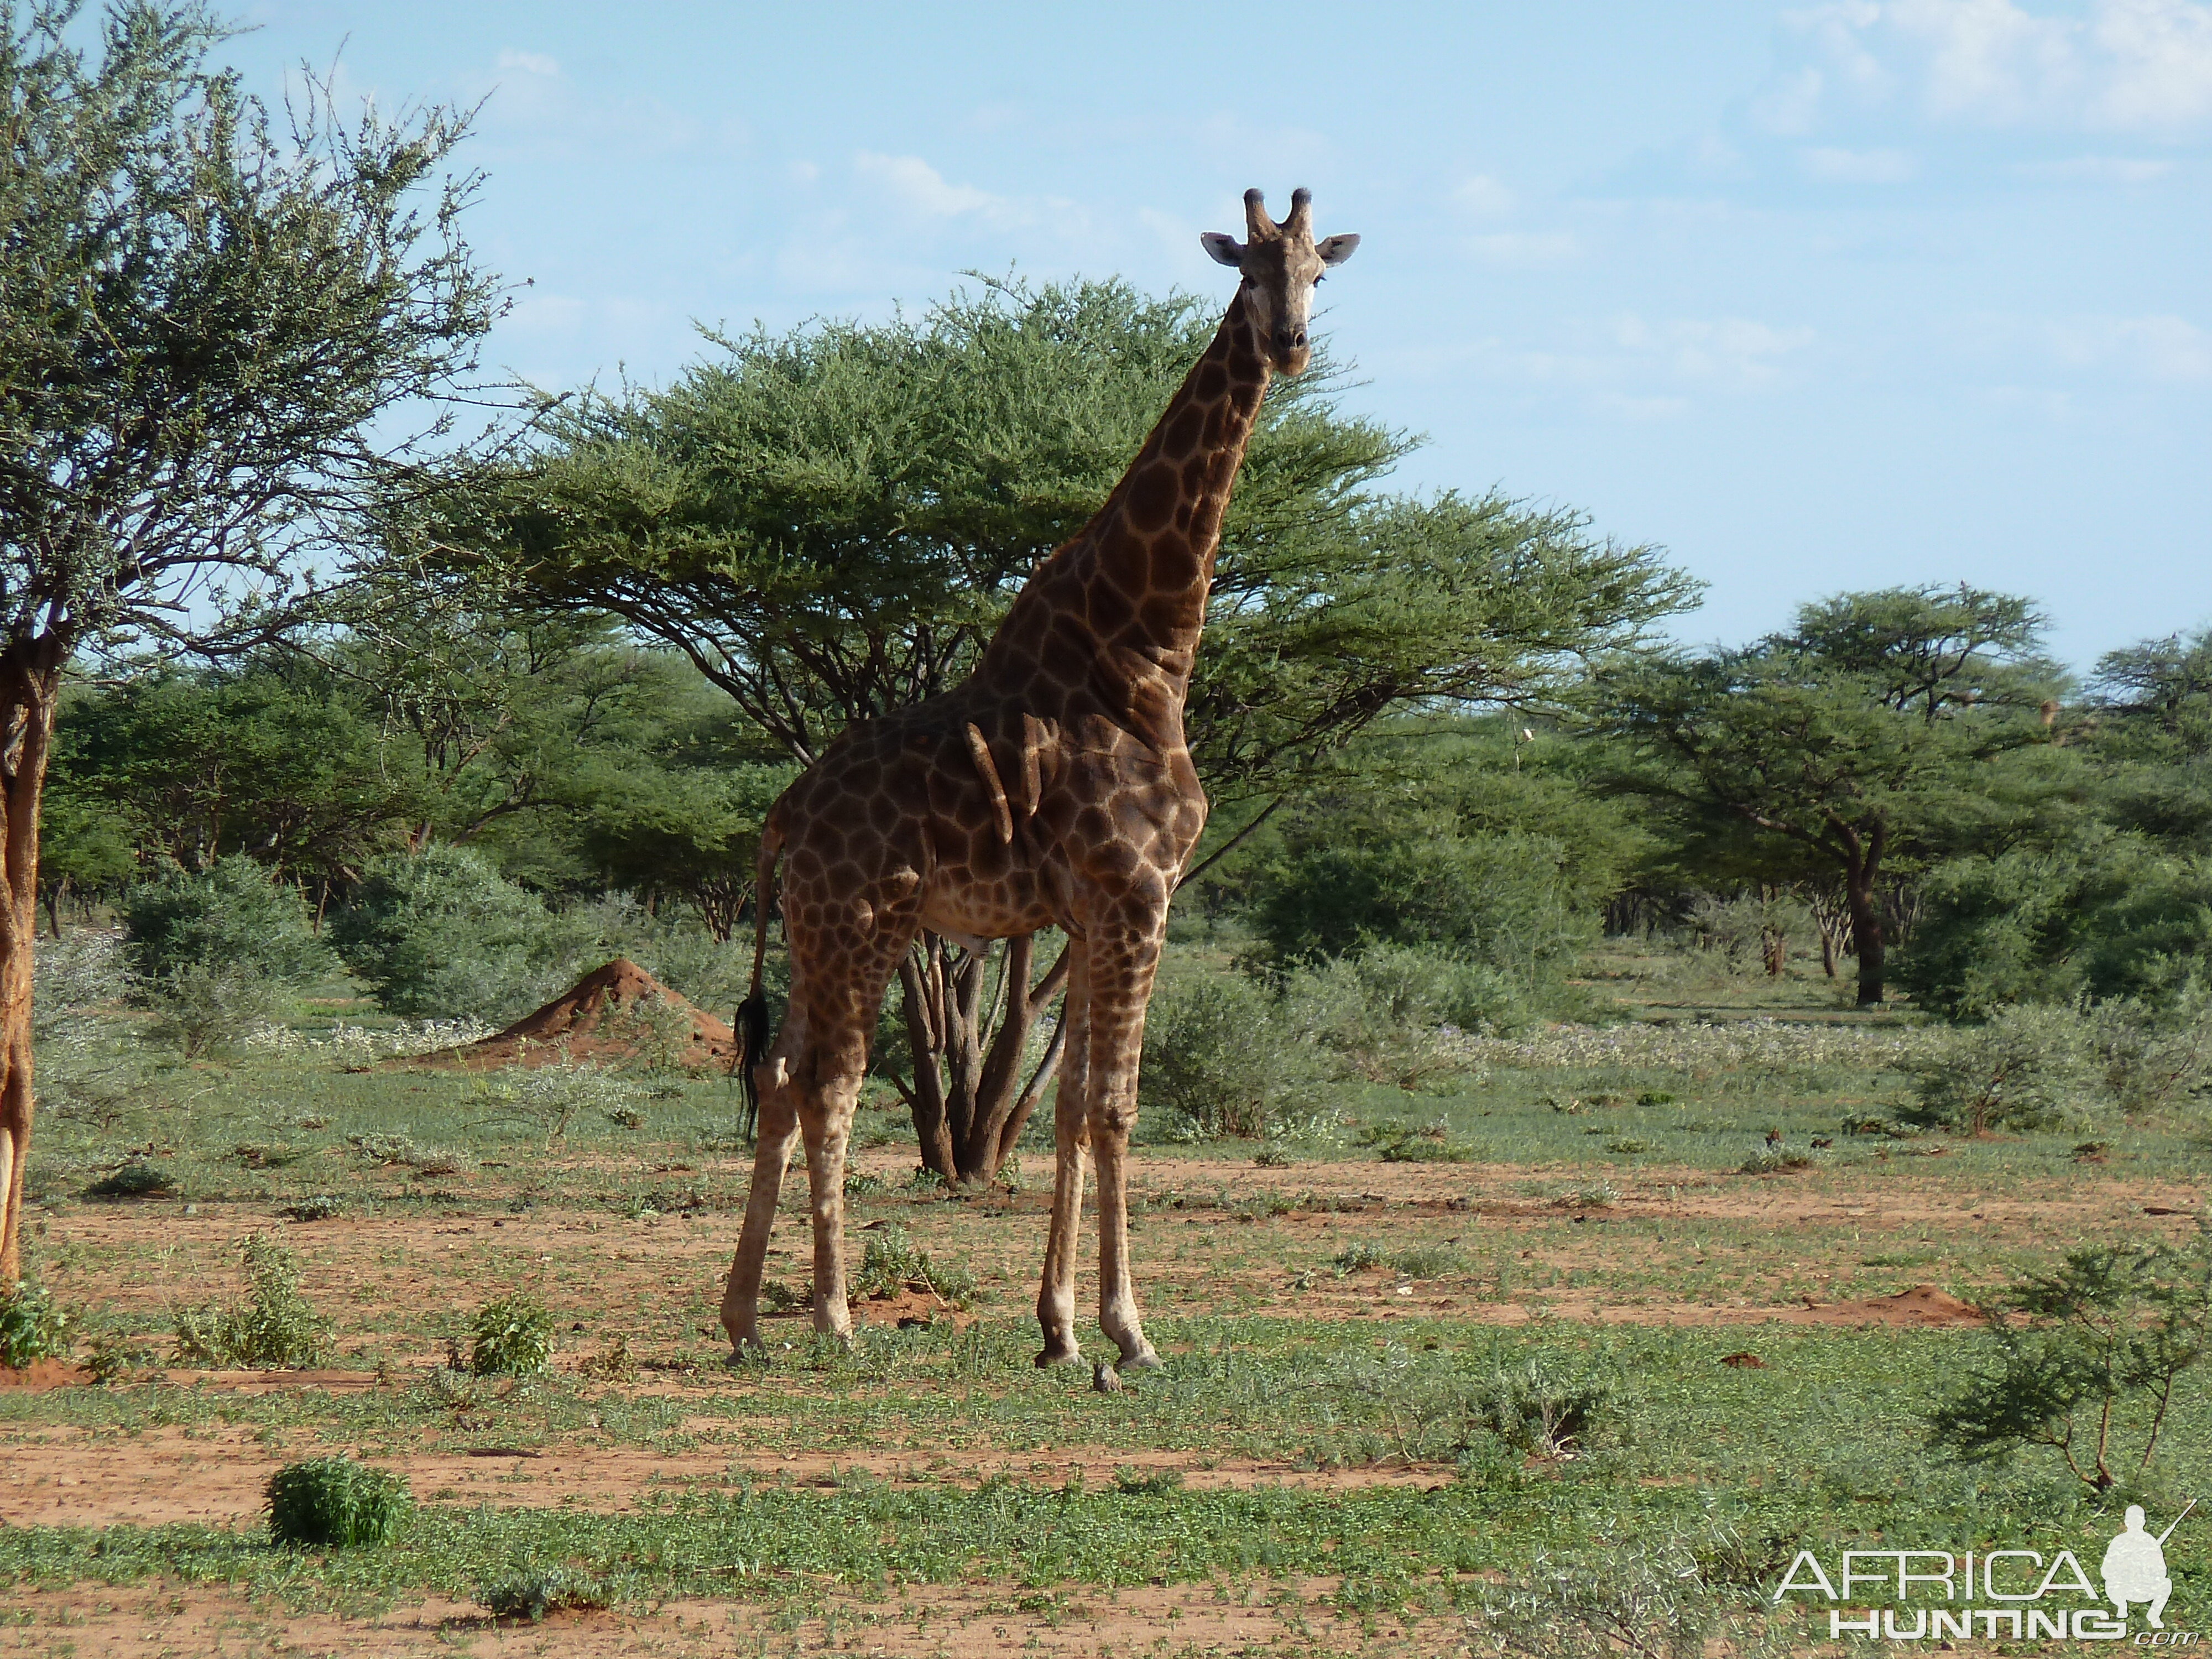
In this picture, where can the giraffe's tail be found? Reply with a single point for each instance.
(752, 1013)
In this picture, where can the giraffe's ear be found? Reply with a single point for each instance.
(1335, 250)
(1226, 249)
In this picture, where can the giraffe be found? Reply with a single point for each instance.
(1052, 785)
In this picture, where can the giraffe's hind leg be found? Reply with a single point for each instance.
(1072, 1137)
(810, 1085)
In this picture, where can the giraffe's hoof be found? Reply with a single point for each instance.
(744, 1354)
(1059, 1353)
(1144, 1359)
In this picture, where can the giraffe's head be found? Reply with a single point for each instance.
(1280, 264)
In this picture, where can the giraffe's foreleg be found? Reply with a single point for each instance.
(1071, 1164)
(827, 1123)
(779, 1126)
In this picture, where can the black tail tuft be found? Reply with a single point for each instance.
(752, 1041)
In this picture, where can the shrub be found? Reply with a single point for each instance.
(334, 1503)
(2027, 1068)
(1388, 1011)
(442, 933)
(72, 978)
(547, 1098)
(134, 1180)
(1540, 1409)
(274, 1327)
(1357, 1256)
(203, 1006)
(32, 1326)
(892, 1263)
(1426, 1261)
(1217, 1057)
(532, 1592)
(229, 916)
(2084, 1360)
(2154, 1057)
(513, 1337)
(320, 1208)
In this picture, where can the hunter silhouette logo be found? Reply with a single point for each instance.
(2134, 1567)
(2014, 1593)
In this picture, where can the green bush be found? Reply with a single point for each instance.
(2106, 916)
(891, 1262)
(2084, 1360)
(513, 1337)
(32, 1326)
(231, 916)
(1219, 1059)
(2026, 1068)
(334, 1503)
(200, 1007)
(2155, 1056)
(1389, 1011)
(134, 1180)
(275, 1328)
(442, 933)
(1542, 1409)
(533, 1592)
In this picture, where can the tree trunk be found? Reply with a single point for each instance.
(30, 676)
(968, 1097)
(1861, 867)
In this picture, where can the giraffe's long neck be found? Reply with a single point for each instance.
(1123, 602)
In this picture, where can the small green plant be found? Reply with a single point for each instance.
(778, 1297)
(513, 1337)
(32, 1326)
(892, 1263)
(626, 1117)
(1357, 1256)
(1775, 1160)
(109, 1358)
(275, 1328)
(1541, 1410)
(320, 1208)
(1147, 1483)
(1654, 1097)
(334, 1503)
(1426, 1261)
(859, 1183)
(1601, 1196)
(134, 1180)
(2085, 1360)
(1627, 1147)
(533, 1592)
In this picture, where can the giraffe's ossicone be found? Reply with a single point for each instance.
(1052, 785)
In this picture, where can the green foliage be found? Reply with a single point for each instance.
(1218, 1057)
(532, 1592)
(1671, 1599)
(512, 1336)
(1438, 842)
(230, 917)
(33, 1325)
(2085, 1360)
(1390, 1012)
(1545, 1409)
(136, 1179)
(274, 1327)
(2097, 914)
(442, 933)
(334, 1503)
(2155, 1056)
(892, 1263)
(2026, 1068)
(1885, 729)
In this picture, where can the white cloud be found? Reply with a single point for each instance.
(1858, 166)
(530, 63)
(2097, 170)
(2129, 65)
(1729, 351)
(1524, 248)
(2155, 348)
(923, 189)
(1483, 194)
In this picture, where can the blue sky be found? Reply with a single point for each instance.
(1817, 297)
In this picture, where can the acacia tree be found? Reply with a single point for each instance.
(830, 522)
(1862, 737)
(212, 333)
